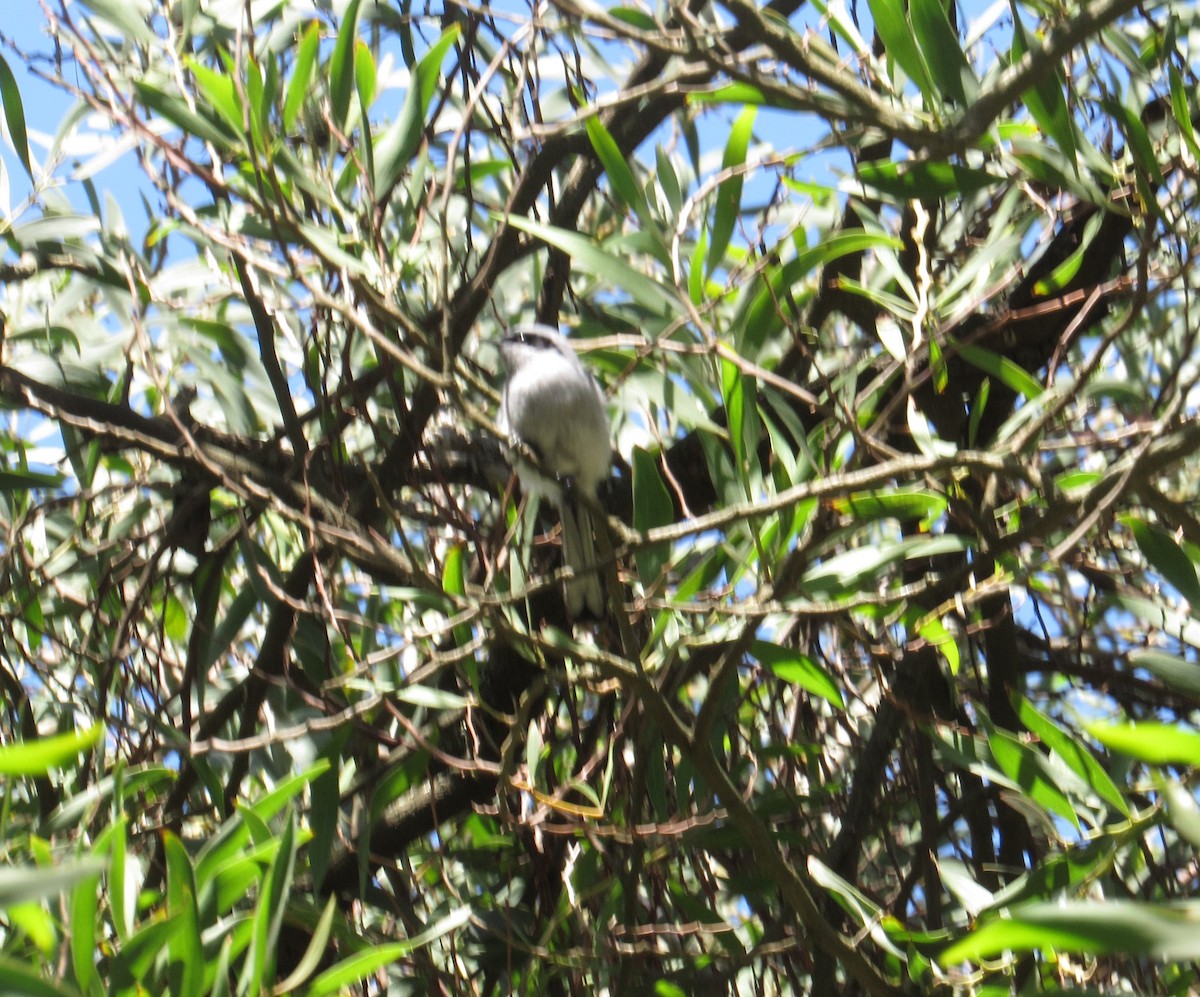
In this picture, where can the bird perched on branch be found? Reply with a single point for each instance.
(554, 406)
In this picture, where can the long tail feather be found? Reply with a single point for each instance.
(585, 591)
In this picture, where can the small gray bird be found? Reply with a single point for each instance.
(553, 406)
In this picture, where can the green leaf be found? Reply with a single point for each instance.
(635, 18)
(1180, 107)
(1074, 754)
(843, 573)
(1178, 674)
(396, 148)
(941, 637)
(1137, 140)
(20, 885)
(1166, 557)
(1046, 103)
(454, 577)
(429, 697)
(924, 433)
(652, 506)
(1027, 767)
(916, 179)
(942, 52)
(364, 75)
(1152, 931)
(1063, 274)
(19, 979)
(186, 969)
(736, 92)
(314, 952)
(341, 66)
(220, 93)
(1182, 811)
(37, 757)
(20, 480)
(85, 903)
(14, 114)
(268, 913)
(297, 89)
(1155, 743)
(799, 669)
(740, 399)
(1004, 370)
(895, 31)
(668, 180)
(729, 193)
(616, 166)
(697, 284)
(758, 318)
(358, 967)
(609, 267)
(904, 504)
(174, 110)
(130, 18)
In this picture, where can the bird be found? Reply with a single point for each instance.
(554, 406)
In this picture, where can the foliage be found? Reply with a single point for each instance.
(893, 305)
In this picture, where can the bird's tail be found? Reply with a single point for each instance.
(585, 591)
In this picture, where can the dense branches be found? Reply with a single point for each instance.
(899, 340)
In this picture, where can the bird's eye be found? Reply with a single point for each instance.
(529, 338)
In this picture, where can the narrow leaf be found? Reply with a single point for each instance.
(219, 91)
(652, 506)
(624, 184)
(942, 51)
(609, 267)
(924, 179)
(14, 114)
(297, 89)
(1166, 557)
(1074, 753)
(797, 669)
(396, 148)
(1004, 370)
(729, 194)
(1153, 931)
(1182, 111)
(892, 24)
(1046, 103)
(1155, 743)
(1026, 766)
(37, 757)
(341, 66)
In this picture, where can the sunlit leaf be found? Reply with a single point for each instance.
(942, 52)
(919, 179)
(729, 193)
(219, 91)
(302, 71)
(14, 114)
(395, 149)
(895, 30)
(1149, 741)
(360, 966)
(1074, 753)
(608, 267)
(1153, 931)
(341, 65)
(797, 669)
(37, 757)
(1003, 369)
(616, 166)
(905, 504)
(1166, 557)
